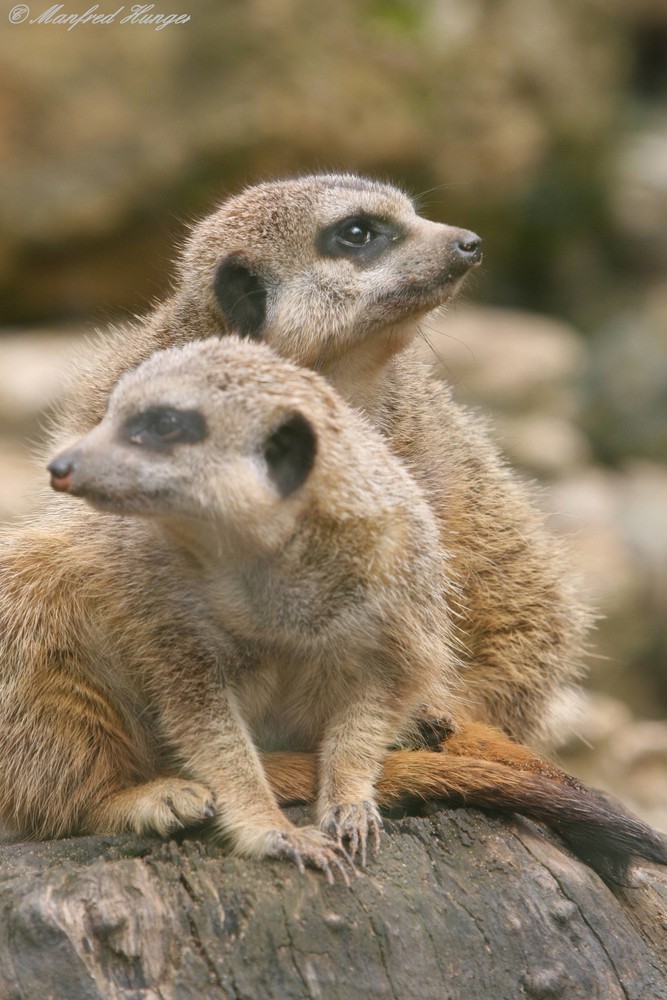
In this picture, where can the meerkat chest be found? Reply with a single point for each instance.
(288, 698)
(311, 606)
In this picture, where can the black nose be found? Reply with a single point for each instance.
(61, 469)
(468, 247)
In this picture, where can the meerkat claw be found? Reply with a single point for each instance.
(295, 856)
(357, 838)
(376, 826)
(307, 846)
(353, 823)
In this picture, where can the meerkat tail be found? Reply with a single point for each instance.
(292, 776)
(599, 832)
(596, 830)
(485, 742)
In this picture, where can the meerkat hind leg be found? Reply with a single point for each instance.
(432, 730)
(161, 806)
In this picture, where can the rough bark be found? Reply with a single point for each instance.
(458, 906)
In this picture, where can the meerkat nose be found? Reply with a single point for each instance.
(61, 469)
(469, 247)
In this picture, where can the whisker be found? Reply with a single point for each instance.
(420, 199)
(451, 378)
(449, 336)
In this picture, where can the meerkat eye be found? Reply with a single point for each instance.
(360, 238)
(167, 427)
(355, 233)
(160, 427)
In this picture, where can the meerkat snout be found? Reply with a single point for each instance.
(73, 471)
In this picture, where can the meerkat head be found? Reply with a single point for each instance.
(316, 265)
(220, 435)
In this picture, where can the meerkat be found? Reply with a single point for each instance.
(274, 594)
(336, 272)
(256, 586)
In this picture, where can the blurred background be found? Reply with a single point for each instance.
(542, 125)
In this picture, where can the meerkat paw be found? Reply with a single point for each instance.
(179, 804)
(354, 823)
(310, 846)
(433, 730)
(428, 731)
(162, 806)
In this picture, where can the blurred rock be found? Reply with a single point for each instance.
(32, 369)
(20, 476)
(585, 507)
(505, 358)
(639, 193)
(525, 368)
(113, 132)
(626, 390)
(548, 446)
(617, 522)
(32, 365)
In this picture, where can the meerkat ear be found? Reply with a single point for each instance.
(241, 295)
(289, 452)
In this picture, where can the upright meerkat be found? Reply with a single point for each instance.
(336, 272)
(276, 585)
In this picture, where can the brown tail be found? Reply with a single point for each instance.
(505, 777)
(484, 742)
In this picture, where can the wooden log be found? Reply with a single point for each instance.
(458, 906)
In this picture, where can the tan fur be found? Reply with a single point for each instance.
(226, 617)
(520, 623)
(148, 677)
(421, 774)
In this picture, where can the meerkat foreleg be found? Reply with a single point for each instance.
(351, 755)
(215, 747)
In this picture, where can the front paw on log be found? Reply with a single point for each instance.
(353, 823)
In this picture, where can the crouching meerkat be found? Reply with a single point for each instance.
(336, 272)
(271, 588)
(257, 587)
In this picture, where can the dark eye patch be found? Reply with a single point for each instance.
(161, 427)
(241, 294)
(361, 238)
(289, 453)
